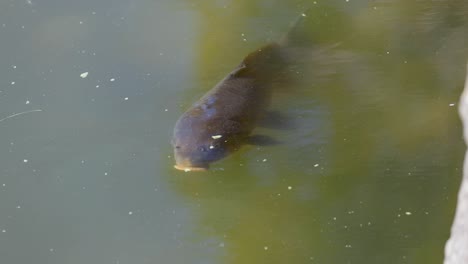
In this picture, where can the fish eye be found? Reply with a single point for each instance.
(203, 149)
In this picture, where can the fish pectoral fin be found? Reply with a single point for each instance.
(276, 120)
(261, 140)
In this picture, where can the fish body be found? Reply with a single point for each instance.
(222, 120)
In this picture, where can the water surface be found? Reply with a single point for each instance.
(369, 174)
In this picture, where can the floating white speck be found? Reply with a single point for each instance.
(303, 14)
(316, 165)
(18, 207)
(13, 83)
(264, 160)
(93, 13)
(289, 187)
(407, 213)
(81, 22)
(130, 213)
(112, 79)
(452, 104)
(187, 170)
(3, 230)
(3, 184)
(105, 173)
(265, 248)
(216, 136)
(82, 162)
(51, 249)
(25, 161)
(84, 75)
(97, 86)
(126, 98)
(14, 66)
(211, 147)
(27, 101)
(221, 244)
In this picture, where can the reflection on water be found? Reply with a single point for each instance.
(369, 173)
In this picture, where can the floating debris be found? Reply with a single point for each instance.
(84, 75)
(22, 113)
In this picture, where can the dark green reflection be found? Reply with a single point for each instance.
(371, 172)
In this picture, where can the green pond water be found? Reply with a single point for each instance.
(90, 91)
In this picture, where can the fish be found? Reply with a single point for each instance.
(222, 120)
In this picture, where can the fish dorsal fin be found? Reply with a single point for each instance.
(240, 71)
(262, 55)
(258, 61)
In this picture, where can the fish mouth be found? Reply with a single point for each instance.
(190, 168)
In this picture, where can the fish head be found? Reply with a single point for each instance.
(196, 151)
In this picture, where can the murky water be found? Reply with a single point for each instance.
(369, 174)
